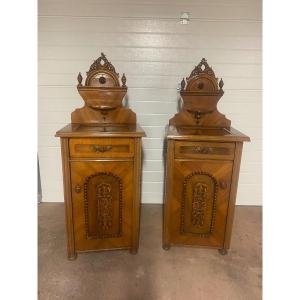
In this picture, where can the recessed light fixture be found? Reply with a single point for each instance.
(184, 18)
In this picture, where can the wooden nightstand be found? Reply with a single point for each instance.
(101, 158)
(202, 167)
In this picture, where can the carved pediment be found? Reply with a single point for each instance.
(101, 63)
(102, 73)
(200, 94)
(202, 79)
(103, 94)
(201, 68)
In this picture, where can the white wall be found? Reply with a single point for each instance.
(145, 40)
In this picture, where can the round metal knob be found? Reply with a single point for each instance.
(223, 185)
(77, 188)
(102, 80)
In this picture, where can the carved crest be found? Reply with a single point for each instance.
(200, 94)
(200, 76)
(201, 68)
(102, 63)
(103, 92)
(102, 73)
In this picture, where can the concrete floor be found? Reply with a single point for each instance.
(180, 273)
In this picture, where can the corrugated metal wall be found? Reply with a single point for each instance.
(145, 40)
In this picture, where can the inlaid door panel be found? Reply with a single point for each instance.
(199, 201)
(102, 204)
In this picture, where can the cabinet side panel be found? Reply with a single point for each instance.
(136, 202)
(168, 193)
(68, 198)
(233, 192)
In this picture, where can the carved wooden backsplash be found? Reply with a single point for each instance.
(200, 94)
(103, 95)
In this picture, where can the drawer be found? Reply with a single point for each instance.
(101, 147)
(204, 150)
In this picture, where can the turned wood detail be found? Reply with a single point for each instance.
(200, 93)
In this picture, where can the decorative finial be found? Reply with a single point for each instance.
(182, 84)
(79, 78)
(221, 84)
(123, 79)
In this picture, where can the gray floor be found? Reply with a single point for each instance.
(180, 273)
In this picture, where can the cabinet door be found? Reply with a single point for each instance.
(102, 204)
(199, 201)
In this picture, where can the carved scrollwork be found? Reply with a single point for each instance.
(102, 73)
(104, 199)
(108, 190)
(201, 68)
(102, 63)
(198, 204)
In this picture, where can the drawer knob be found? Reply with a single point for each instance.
(100, 148)
(77, 188)
(223, 185)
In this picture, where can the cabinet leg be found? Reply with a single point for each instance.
(72, 256)
(166, 247)
(223, 251)
(133, 251)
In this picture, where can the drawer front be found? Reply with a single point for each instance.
(101, 147)
(204, 150)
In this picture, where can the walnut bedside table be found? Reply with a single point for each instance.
(101, 159)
